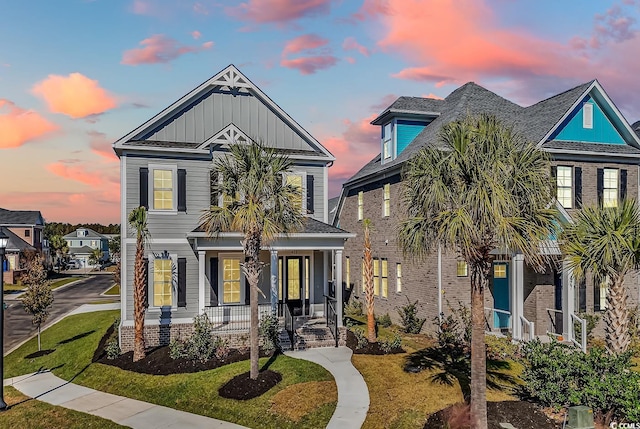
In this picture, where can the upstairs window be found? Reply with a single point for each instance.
(27, 233)
(398, 278)
(386, 200)
(587, 115)
(387, 149)
(297, 180)
(163, 189)
(360, 205)
(610, 188)
(564, 183)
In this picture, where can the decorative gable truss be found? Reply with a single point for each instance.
(231, 79)
(226, 136)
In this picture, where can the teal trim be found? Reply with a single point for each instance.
(603, 131)
(406, 131)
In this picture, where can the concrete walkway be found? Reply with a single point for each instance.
(48, 388)
(353, 394)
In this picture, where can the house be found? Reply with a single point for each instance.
(166, 166)
(83, 242)
(595, 156)
(25, 231)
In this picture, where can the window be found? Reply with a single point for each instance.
(360, 205)
(462, 269)
(27, 233)
(296, 180)
(500, 271)
(376, 276)
(347, 269)
(386, 141)
(398, 278)
(610, 188)
(384, 277)
(231, 285)
(604, 292)
(587, 115)
(564, 182)
(94, 243)
(386, 196)
(162, 282)
(162, 189)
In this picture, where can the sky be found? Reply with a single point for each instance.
(76, 75)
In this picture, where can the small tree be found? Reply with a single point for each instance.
(95, 257)
(38, 297)
(58, 246)
(114, 248)
(368, 282)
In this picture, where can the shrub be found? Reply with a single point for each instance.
(384, 320)
(500, 348)
(361, 338)
(353, 308)
(592, 321)
(388, 345)
(411, 323)
(112, 349)
(202, 345)
(559, 375)
(269, 331)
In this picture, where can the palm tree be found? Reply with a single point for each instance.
(59, 246)
(138, 222)
(604, 242)
(95, 257)
(260, 204)
(481, 188)
(368, 281)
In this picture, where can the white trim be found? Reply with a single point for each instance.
(201, 279)
(151, 240)
(279, 236)
(123, 239)
(174, 189)
(156, 321)
(583, 152)
(325, 179)
(587, 115)
(230, 134)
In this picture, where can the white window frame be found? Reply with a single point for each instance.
(561, 200)
(221, 258)
(303, 175)
(587, 115)
(376, 276)
(611, 202)
(387, 150)
(360, 205)
(398, 277)
(174, 287)
(174, 194)
(384, 278)
(386, 200)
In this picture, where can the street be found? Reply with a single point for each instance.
(18, 326)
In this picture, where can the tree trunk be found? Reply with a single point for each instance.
(139, 294)
(616, 317)
(479, 279)
(368, 288)
(252, 268)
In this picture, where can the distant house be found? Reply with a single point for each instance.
(83, 242)
(25, 231)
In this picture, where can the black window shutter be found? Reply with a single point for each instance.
(147, 281)
(554, 181)
(182, 190)
(310, 195)
(213, 281)
(144, 187)
(578, 189)
(182, 282)
(623, 184)
(582, 296)
(600, 182)
(596, 295)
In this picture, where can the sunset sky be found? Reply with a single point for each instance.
(75, 75)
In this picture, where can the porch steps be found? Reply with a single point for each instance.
(313, 333)
(285, 341)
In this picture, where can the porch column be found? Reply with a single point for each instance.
(517, 294)
(201, 279)
(274, 282)
(338, 277)
(568, 301)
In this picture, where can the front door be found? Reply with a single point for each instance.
(501, 298)
(293, 289)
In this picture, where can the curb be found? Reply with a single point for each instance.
(108, 289)
(18, 295)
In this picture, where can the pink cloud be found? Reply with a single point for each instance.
(74, 95)
(19, 126)
(315, 59)
(196, 34)
(310, 65)
(304, 43)
(350, 44)
(350, 60)
(278, 11)
(371, 8)
(76, 173)
(159, 49)
(100, 145)
(141, 7)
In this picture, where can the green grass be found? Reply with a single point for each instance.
(12, 288)
(75, 338)
(24, 412)
(114, 290)
(63, 281)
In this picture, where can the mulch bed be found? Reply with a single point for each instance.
(521, 414)
(370, 348)
(242, 387)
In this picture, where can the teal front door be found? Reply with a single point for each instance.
(501, 298)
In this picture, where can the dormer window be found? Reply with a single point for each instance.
(387, 141)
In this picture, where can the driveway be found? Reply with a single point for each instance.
(18, 327)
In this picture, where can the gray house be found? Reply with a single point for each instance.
(83, 242)
(166, 166)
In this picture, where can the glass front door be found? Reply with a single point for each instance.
(293, 283)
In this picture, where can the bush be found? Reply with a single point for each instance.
(592, 321)
(269, 331)
(384, 321)
(559, 375)
(361, 338)
(388, 345)
(500, 348)
(112, 349)
(353, 309)
(411, 323)
(202, 345)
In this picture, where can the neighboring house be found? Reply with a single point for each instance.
(25, 231)
(83, 242)
(165, 166)
(595, 157)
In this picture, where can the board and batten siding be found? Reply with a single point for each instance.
(216, 109)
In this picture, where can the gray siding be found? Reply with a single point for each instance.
(216, 110)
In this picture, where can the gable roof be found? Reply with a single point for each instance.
(90, 234)
(20, 217)
(15, 243)
(230, 81)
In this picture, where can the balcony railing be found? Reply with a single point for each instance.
(234, 318)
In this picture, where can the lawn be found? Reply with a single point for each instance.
(74, 340)
(114, 290)
(54, 284)
(24, 412)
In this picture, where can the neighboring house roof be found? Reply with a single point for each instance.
(90, 234)
(15, 243)
(310, 226)
(333, 208)
(81, 250)
(20, 217)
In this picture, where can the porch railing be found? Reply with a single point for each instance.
(489, 318)
(332, 316)
(234, 318)
(527, 329)
(289, 323)
(555, 322)
(583, 332)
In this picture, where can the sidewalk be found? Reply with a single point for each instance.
(353, 394)
(48, 388)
